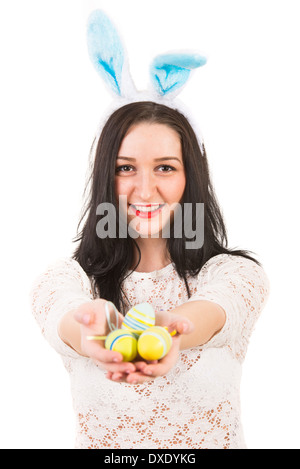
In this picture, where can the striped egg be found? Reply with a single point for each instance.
(123, 342)
(139, 318)
(154, 343)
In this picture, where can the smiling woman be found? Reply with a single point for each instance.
(147, 160)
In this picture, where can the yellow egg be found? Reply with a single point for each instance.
(154, 343)
(139, 318)
(123, 342)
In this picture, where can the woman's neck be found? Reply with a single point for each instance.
(154, 254)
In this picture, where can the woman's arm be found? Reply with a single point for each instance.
(69, 332)
(207, 317)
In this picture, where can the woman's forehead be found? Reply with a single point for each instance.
(158, 140)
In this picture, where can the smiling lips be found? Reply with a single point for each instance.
(147, 210)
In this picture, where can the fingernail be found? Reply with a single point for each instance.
(185, 327)
(148, 372)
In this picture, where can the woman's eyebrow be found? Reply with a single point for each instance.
(163, 158)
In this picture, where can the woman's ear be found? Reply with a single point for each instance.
(108, 54)
(169, 72)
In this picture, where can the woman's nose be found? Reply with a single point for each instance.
(146, 185)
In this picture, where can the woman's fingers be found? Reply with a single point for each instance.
(182, 326)
(109, 360)
(123, 368)
(117, 377)
(101, 354)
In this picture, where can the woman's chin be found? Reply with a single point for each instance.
(149, 231)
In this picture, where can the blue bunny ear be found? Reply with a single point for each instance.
(105, 49)
(169, 72)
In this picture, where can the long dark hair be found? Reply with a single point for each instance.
(108, 261)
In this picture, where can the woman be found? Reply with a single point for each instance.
(148, 156)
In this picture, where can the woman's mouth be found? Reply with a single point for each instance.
(147, 210)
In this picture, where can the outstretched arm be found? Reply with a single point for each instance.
(207, 318)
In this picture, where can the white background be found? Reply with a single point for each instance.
(247, 102)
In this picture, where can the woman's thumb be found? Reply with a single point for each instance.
(185, 326)
(84, 317)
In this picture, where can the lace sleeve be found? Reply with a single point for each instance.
(241, 287)
(61, 288)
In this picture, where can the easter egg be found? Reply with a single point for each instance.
(154, 343)
(123, 342)
(139, 318)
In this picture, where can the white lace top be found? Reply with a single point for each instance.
(197, 404)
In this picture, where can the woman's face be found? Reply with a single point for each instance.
(150, 174)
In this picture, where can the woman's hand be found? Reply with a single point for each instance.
(92, 319)
(147, 371)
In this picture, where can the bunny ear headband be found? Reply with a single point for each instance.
(168, 72)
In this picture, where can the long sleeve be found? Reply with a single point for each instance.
(241, 288)
(62, 287)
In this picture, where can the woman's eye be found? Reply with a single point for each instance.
(167, 168)
(125, 168)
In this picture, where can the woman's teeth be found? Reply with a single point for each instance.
(142, 208)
